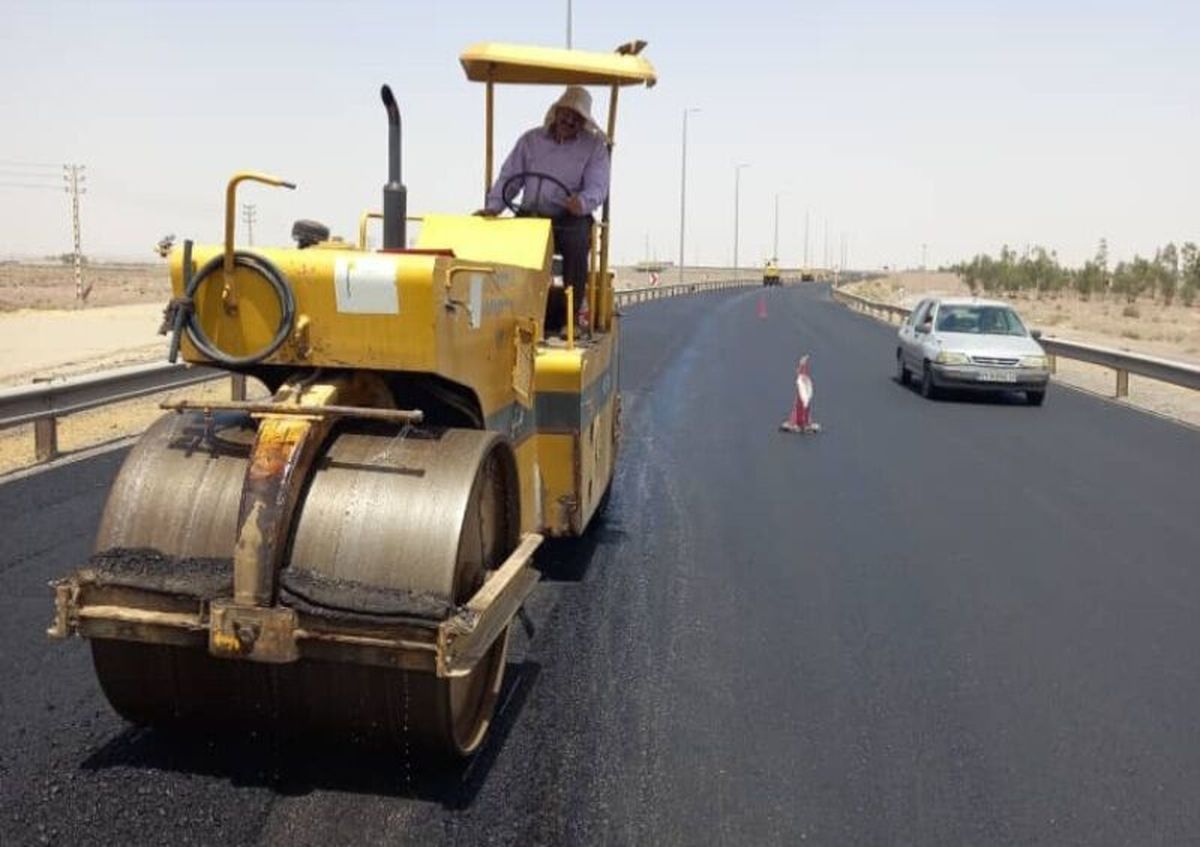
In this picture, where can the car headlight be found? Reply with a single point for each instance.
(1033, 361)
(947, 358)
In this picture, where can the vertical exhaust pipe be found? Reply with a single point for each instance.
(395, 197)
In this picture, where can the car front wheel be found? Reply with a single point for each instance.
(1035, 398)
(928, 390)
(902, 373)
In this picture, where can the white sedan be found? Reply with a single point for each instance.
(979, 345)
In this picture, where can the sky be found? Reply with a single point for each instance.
(909, 132)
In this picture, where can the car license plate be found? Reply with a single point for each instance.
(997, 376)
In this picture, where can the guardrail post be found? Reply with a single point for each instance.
(1122, 383)
(237, 386)
(45, 439)
(1052, 363)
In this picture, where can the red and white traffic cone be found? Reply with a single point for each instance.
(800, 420)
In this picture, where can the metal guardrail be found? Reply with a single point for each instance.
(630, 296)
(1163, 370)
(1122, 362)
(884, 311)
(42, 404)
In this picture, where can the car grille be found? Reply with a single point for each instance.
(995, 361)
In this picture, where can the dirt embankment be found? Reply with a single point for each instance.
(52, 286)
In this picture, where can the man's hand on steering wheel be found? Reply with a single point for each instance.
(508, 193)
(573, 204)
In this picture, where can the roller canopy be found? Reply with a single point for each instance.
(512, 63)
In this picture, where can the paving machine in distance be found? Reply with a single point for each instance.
(346, 556)
(771, 273)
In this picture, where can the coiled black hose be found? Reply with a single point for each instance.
(272, 274)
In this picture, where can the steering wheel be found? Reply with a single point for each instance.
(508, 191)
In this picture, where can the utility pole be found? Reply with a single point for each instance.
(568, 24)
(683, 191)
(43, 176)
(825, 263)
(249, 215)
(924, 248)
(807, 266)
(775, 249)
(73, 176)
(737, 179)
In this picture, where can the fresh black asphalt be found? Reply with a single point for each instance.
(936, 622)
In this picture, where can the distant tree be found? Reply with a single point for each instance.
(1008, 272)
(1132, 279)
(969, 272)
(1040, 272)
(1166, 267)
(1189, 273)
(1090, 279)
(1101, 261)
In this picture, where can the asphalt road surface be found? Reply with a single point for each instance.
(953, 622)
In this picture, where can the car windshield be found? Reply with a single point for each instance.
(979, 320)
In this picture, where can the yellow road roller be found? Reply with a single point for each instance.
(771, 272)
(345, 557)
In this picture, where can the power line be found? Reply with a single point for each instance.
(11, 173)
(9, 163)
(74, 178)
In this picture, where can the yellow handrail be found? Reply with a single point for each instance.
(228, 295)
(366, 217)
(231, 206)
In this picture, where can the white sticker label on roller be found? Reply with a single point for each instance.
(476, 304)
(366, 286)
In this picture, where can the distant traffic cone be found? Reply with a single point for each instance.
(800, 419)
(762, 307)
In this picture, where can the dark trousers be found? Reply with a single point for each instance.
(572, 240)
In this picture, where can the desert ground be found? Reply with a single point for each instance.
(46, 334)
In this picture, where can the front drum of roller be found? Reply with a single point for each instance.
(424, 511)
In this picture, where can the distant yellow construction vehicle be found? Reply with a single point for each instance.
(346, 556)
(771, 273)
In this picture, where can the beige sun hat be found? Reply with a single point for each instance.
(577, 99)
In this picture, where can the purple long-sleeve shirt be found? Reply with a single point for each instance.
(581, 164)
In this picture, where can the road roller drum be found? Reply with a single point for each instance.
(394, 526)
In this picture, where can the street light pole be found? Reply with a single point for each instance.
(683, 191)
(775, 249)
(568, 24)
(807, 265)
(737, 179)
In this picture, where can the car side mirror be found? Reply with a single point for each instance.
(1036, 333)
(925, 326)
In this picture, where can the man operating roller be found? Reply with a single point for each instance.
(572, 154)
